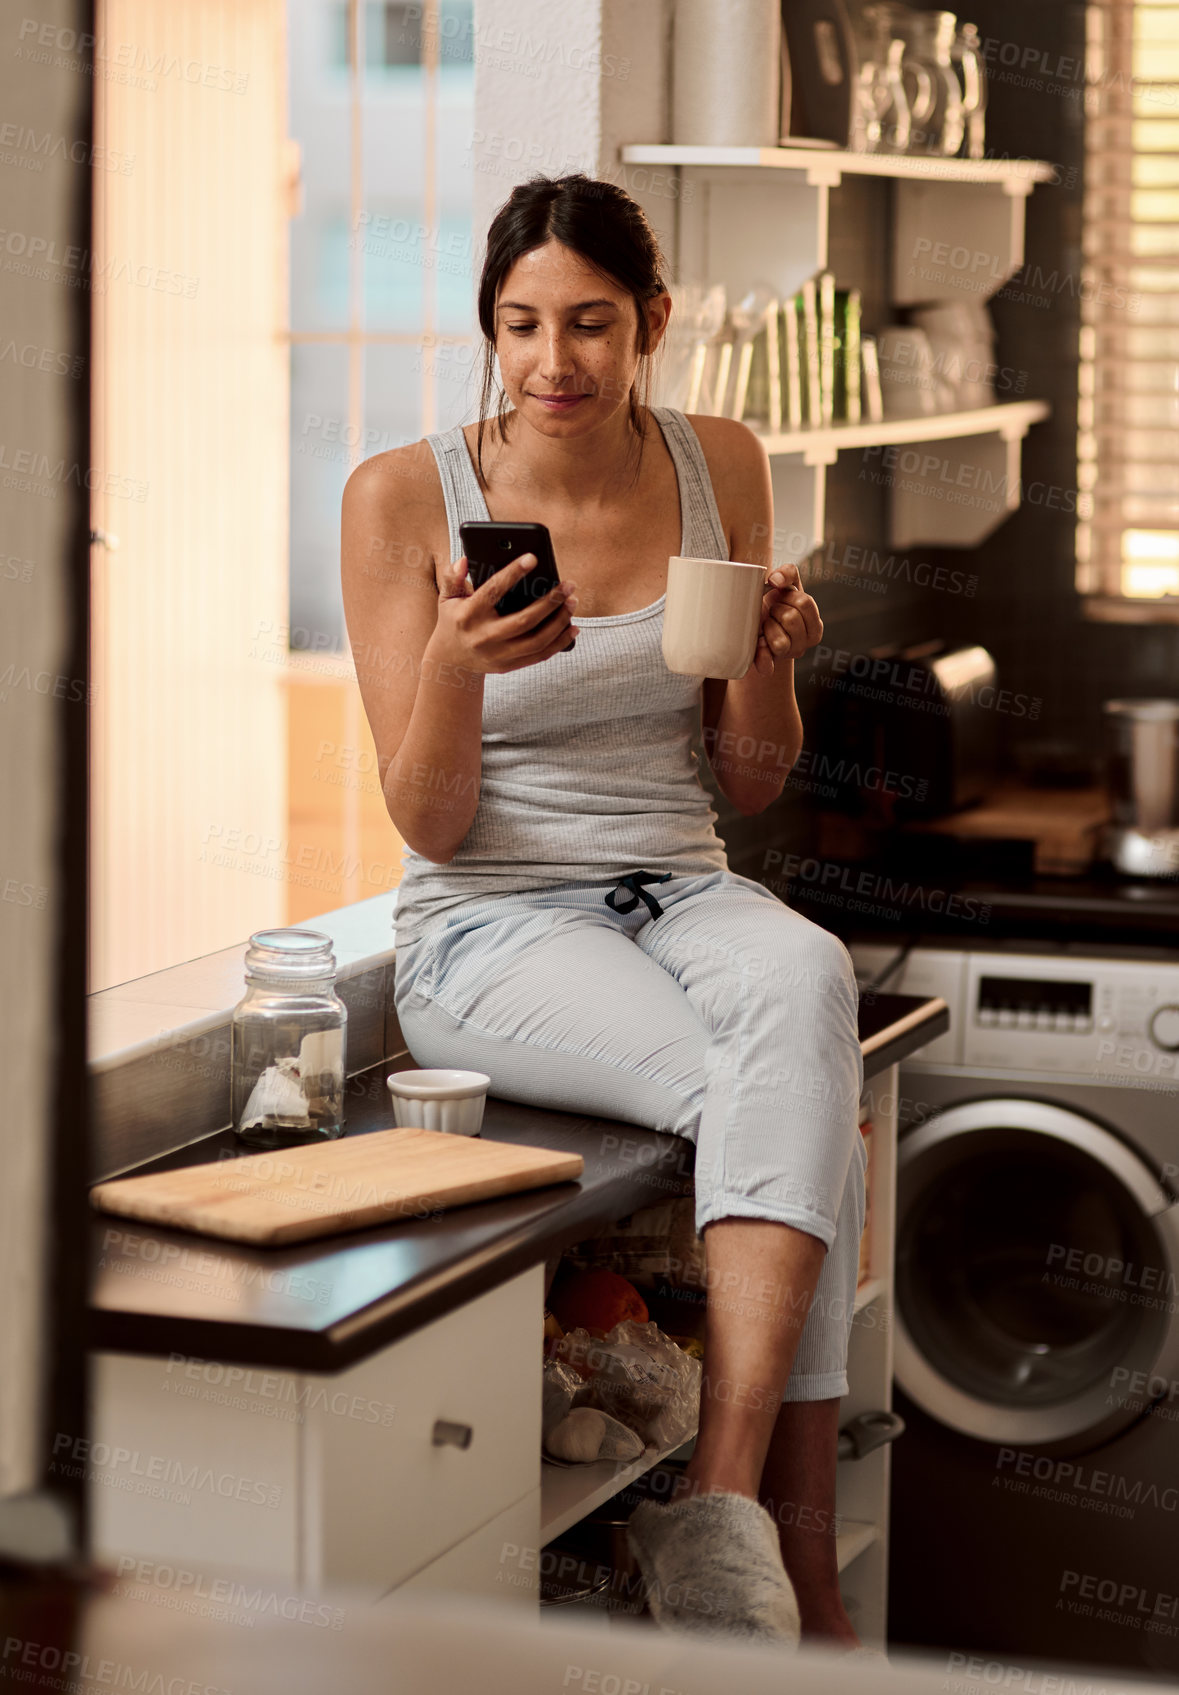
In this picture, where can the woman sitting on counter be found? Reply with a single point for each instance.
(567, 920)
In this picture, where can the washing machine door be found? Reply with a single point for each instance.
(1037, 1275)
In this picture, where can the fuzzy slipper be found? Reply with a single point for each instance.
(712, 1565)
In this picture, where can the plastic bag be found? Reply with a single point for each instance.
(640, 1377)
(561, 1388)
(587, 1434)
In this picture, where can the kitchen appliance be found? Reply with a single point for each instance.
(1142, 771)
(1037, 1320)
(915, 729)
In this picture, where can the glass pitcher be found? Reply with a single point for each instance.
(880, 122)
(932, 88)
(968, 60)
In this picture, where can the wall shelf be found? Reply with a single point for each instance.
(753, 217)
(1009, 419)
(869, 1290)
(825, 166)
(569, 1493)
(852, 1540)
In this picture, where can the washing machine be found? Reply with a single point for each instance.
(1035, 1492)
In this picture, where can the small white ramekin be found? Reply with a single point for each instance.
(439, 1100)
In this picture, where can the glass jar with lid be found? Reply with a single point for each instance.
(288, 1037)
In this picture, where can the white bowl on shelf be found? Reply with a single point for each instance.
(439, 1100)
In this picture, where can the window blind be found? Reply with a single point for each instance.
(1128, 447)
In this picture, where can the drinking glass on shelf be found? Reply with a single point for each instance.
(967, 57)
(698, 311)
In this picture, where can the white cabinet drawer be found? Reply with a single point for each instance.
(501, 1561)
(193, 1461)
(383, 1497)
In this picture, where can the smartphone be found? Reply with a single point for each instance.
(489, 545)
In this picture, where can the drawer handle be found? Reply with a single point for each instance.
(868, 1432)
(451, 1435)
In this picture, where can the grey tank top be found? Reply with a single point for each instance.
(589, 770)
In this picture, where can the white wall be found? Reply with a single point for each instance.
(559, 86)
(190, 438)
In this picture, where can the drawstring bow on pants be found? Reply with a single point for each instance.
(634, 883)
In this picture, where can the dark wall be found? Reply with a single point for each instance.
(1028, 612)
(46, 188)
(1022, 604)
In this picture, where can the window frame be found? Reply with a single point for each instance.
(1112, 94)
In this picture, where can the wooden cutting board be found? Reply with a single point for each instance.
(1064, 825)
(321, 1189)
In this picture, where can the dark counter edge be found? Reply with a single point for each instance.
(529, 1243)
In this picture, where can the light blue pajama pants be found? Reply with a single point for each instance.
(728, 1019)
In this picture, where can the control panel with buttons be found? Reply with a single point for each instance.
(1112, 1021)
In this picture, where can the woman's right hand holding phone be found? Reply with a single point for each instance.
(470, 632)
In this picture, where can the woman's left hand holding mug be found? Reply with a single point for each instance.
(790, 622)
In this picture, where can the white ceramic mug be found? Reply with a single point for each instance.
(439, 1100)
(712, 617)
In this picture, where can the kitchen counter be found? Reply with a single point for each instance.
(324, 1305)
(99, 1629)
(366, 1410)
